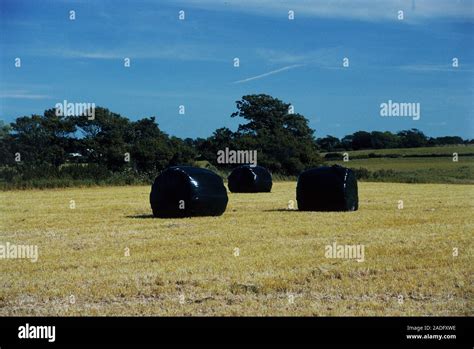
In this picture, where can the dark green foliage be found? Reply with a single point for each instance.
(361, 140)
(412, 138)
(284, 142)
(329, 143)
(106, 138)
(38, 139)
(333, 156)
(80, 151)
(385, 140)
(50, 150)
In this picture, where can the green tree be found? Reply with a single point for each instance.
(4, 129)
(412, 138)
(446, 140)
(284, 141)
(6, 140)
(150, 150)
(207, 148)
(384, 140)
(42, 139)
(183, 153)
(346, 142)
(329, 143)
(361, 140)
(105, 139)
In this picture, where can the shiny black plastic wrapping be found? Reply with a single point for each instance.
(250, 179)
(327, 189)
(184, 191)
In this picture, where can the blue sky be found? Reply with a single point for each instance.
(190, 62)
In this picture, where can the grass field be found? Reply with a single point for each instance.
(446, 150)
(192, 266)
(417, 170)
(411, 164)
(414, 165)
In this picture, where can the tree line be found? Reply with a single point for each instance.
(360, 140)
(113, 149)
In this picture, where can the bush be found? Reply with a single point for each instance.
(333, 156)
(361, 173)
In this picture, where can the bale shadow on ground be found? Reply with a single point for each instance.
(146, 216)
(281, 210)
(141, 216)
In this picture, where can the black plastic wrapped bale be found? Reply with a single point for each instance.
(250, 179)
(184, 191)
(327, 189)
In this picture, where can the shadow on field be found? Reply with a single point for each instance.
(146, 216)
(281, 210)
(141, 216)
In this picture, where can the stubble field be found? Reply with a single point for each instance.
(103, 254)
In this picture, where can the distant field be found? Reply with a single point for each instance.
(417, 170)
(414, 165)
(440, 150)
(410, 164)
(190, 267)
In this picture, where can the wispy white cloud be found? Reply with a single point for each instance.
(434, 68)
(368, 10)
(89, 54)
(441, 123)
(320, 57)
(268, 73)
(277, 56)
(23, 95)
(331, 58)
(179, 52)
